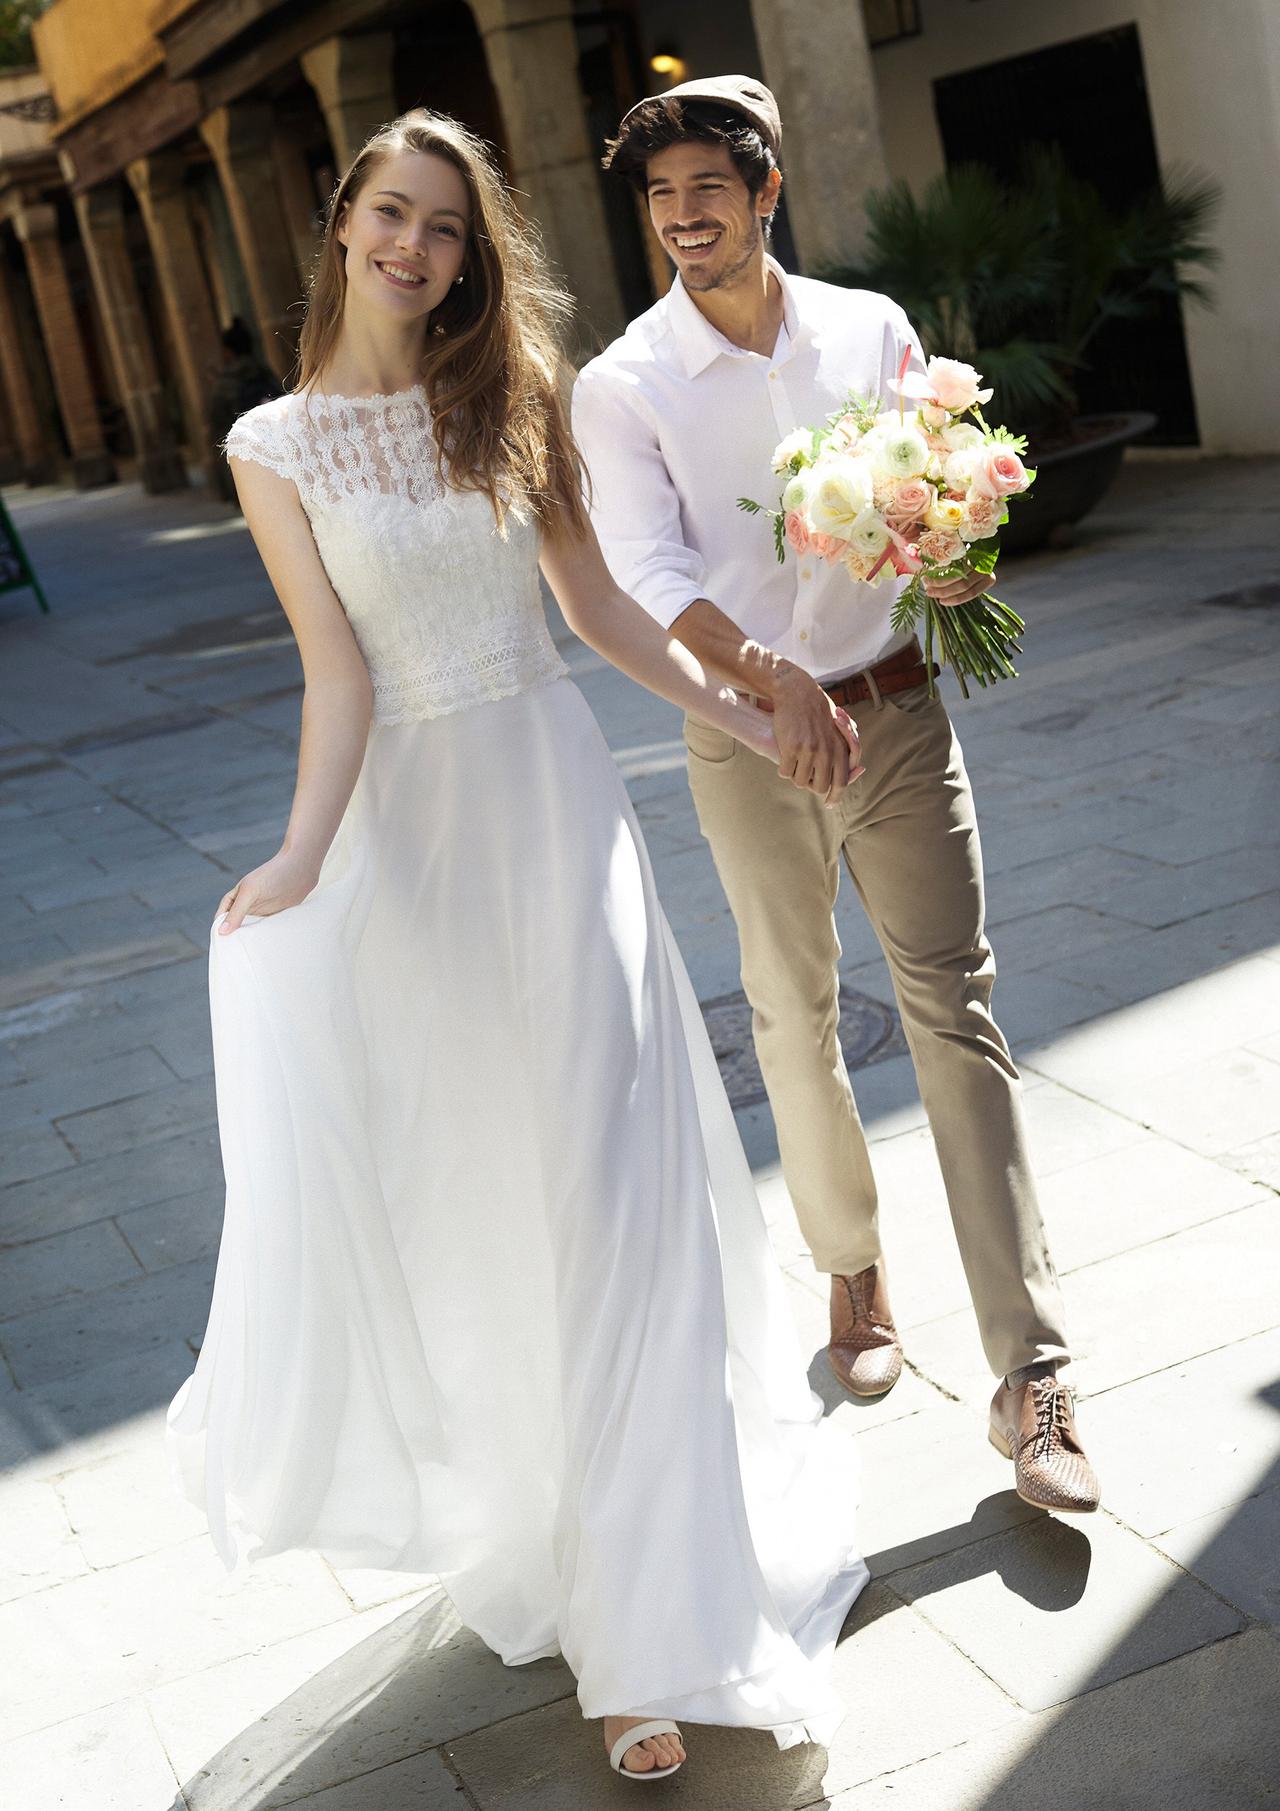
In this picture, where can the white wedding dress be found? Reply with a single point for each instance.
(494, 1298)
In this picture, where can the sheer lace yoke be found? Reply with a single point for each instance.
(446, 610)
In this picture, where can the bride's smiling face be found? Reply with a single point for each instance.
(405, 235)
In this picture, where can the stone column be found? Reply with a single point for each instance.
(301, 204)
(818, 64)
(162, 197)
(39, 463)
(37, 229)
(239, 137)
(351, 77)
(101, 215)
(532, 55)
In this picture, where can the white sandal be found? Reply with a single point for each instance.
(630, 1738)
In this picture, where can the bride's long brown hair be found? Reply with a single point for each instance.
(492, 364)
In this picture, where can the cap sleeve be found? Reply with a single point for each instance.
(262, 436)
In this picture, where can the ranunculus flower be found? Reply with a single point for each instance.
(840, 491)
(940, 547)
(900, 452)
(869, 534)
(795, 493)
(955, 386)
(1000, 472)
(797, 445)
(945, 512)
(798, 536)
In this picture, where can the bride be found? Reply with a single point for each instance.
(494, 1298)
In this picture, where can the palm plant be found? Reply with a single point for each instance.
(1019, 278)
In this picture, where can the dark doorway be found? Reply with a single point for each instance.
(1089, 97)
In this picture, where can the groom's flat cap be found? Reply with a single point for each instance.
(740, 93)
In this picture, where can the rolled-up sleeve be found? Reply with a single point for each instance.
(634, 506)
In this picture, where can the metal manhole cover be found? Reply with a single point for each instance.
(869, 1033)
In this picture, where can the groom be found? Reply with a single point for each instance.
(676, 420)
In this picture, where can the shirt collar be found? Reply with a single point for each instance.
(698, 342)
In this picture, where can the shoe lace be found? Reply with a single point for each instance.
(1052, 1403)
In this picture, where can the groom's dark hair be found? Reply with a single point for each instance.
(659, 123)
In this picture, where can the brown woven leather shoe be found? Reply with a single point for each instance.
(865, 1352)
(1035, 1426)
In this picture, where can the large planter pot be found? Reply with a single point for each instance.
(1071, 479)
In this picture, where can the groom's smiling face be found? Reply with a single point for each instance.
(708, 220)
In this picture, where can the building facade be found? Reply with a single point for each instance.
(164, 170)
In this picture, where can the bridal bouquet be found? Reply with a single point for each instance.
(914, 492)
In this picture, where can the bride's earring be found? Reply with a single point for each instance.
(458, 280)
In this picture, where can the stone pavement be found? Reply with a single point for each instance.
(1001, 1658)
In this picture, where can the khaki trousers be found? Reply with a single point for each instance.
(908, 834)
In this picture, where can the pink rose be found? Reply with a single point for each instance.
(955, 386)
(933, 415)
(911, 498)
(828, 547)
(939, 547)
(799, 537)
(998, 472)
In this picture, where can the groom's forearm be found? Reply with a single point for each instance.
(725, 649)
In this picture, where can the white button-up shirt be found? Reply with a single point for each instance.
(675, 423)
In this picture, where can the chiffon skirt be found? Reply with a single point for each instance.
(495, 1299)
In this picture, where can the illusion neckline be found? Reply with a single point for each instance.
(377, 399)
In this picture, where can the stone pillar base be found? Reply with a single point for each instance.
(162, 471)
(90, 470)
(39, 471)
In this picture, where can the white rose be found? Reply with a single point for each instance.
(796, 446)
(957, 471)
(840, 491)
(961, 434)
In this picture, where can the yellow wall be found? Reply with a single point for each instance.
(92, 50)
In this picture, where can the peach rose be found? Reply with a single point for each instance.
(828, 547)
(911, 498)
(933, 415)
(998, 472)
(799, 538)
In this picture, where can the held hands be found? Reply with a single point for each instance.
(817, 742)
(959, 590)
(282, 882)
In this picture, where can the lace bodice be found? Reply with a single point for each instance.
(446, 612)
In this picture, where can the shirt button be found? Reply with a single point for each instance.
(804, 572)
(804, 635)
(773, 377)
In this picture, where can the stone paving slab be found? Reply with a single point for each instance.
(1004, 1602)
(541, 1762)
(364, 1692)
(1126, 783)
(1199, 1731)
(1180, 1316)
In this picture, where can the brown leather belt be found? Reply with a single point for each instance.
(898, 673)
